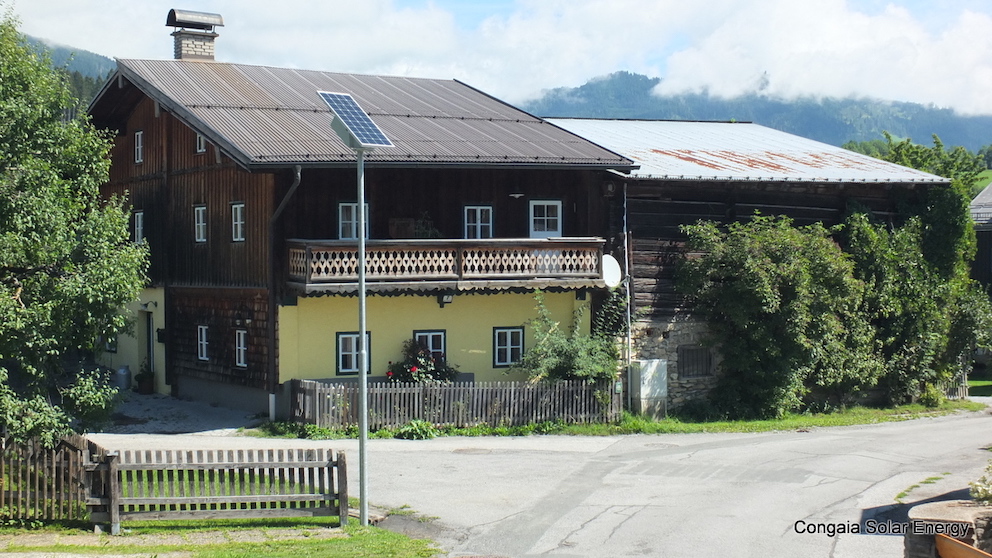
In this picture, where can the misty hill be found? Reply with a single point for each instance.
(86, 63)
(833, 121)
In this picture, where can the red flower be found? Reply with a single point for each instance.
(413, 369)
(390, 373)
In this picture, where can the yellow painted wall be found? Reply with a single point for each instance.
(307, 331)
(132, 349)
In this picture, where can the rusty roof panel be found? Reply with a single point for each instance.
(672, 150)
(263, 116)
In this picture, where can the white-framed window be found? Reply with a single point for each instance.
(348, 221)
(139, 226)
(241, 348)
(433, 341)
(545, 218)
(508, 346)
(238, 222)
(139, 146)
(201, 144)
(347, 352)
(200, 223)
(202, 342)
(478, 221)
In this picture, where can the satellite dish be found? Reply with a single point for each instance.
(611, 271)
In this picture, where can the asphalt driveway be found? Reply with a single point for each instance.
(695, 495)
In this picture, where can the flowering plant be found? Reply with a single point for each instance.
(419, 365)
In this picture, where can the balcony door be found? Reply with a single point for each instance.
(545, 218)
(545, 222)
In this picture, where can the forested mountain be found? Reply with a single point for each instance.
(833, 121)
(628, 95)
(86, 71)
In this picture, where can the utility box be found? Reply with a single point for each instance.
(649, 387)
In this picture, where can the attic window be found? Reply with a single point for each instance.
(201, 144)
(139, 146)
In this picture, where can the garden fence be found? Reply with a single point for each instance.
(460, 404)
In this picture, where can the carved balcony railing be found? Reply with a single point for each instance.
(427, 264)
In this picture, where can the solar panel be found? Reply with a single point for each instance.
(359, 126)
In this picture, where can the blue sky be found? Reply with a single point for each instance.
(935, 52)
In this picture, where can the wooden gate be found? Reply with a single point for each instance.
(212, 484)
(39, 483)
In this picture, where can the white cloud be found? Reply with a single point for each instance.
(813, 47)
(828, 49)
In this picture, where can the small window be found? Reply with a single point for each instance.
(508, 346)
(111, 345)
(139, 226)
(695, 361)
(348, 221)
(433, 341)
(201, 144)
(238, 222)
(545, 219)
(139, 146)
(200, 223)
(202, 342)
(347, 352)
(478, 221)
(241, 348)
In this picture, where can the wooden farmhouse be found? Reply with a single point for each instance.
(720, 171)
(248, 202)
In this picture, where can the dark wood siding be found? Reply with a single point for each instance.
(981, 268)
(657, 209)
(441, 195)
(218, 309)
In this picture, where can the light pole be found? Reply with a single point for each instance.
(358, 132)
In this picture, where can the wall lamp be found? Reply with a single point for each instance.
(517, 195)
(242, 316)
(445, 298)
(146, 305)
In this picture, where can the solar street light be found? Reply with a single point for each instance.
(357, 131)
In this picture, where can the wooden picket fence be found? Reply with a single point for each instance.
(460, 404)
(39, 483)
(213, 484)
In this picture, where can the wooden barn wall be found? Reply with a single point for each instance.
(170, 181)
(981, 268)
(441, 194)
(218, 309)
(657, 210)
(219, 261)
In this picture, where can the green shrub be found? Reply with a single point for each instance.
(417, 430)
(567, 355)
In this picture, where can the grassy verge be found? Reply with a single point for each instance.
(631, 424)
(218, 539)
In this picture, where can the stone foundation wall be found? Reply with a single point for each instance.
(657, 339)
(973, 521)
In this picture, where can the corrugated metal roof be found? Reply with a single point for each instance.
(981, 207)
(273, 116)
(674, 150)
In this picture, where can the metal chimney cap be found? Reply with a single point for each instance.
(194, 20)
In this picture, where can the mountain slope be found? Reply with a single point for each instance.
(833, 121)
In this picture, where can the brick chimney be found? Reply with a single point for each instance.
(194, 35)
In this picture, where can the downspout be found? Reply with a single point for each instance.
(273, 306)
(628, 284)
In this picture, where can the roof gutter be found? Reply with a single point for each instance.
(272, 370)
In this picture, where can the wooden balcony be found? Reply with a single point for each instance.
(331, 266)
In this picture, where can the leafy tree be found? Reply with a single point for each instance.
(877, 148)
(782, 305)
(66, 265)
(561, 355)
(957, 163)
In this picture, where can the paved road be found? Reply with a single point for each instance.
(696, 495)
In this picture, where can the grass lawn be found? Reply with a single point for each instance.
(981, 388)
(222, 539)
(631, 424)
